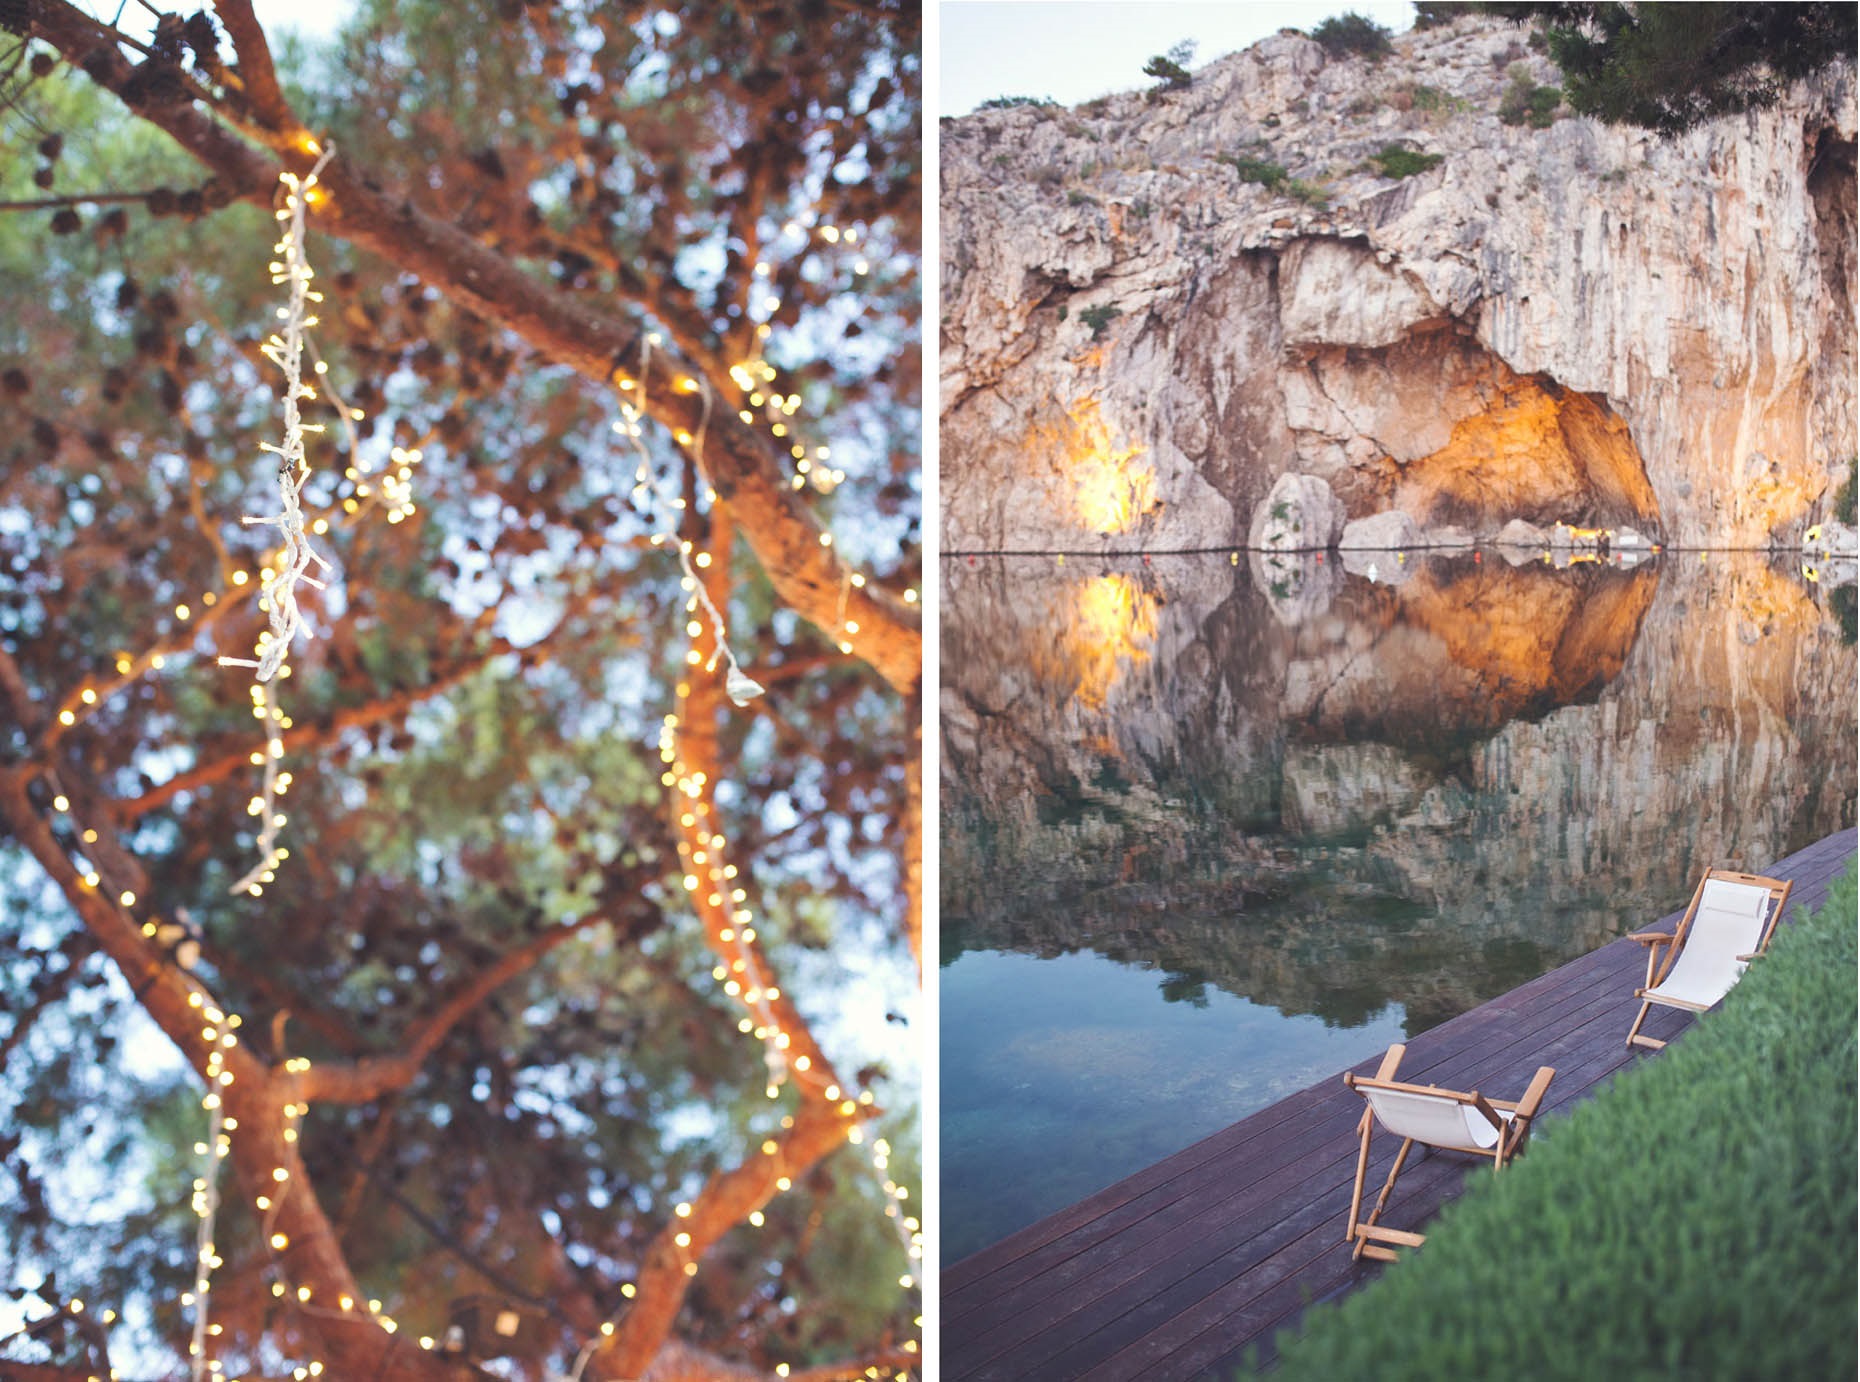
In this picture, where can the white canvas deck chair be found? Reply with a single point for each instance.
(1434, 1117)
(1729, 924)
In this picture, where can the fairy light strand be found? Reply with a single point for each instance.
(265, 805)
(744, 975)
(738, 684)
(285, 350)
(291, 566)
(207, 1193)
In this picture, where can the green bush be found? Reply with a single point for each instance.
(1396, 162)
(1099, 317)
(1172, 75)
(1075, 197)
(1431, 100)
(1310, 193)
(1013, 102)
(1525, 102)
(1348, 35)
(1270, 176)
(1695, 1219)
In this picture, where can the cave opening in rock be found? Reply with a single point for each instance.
(1446, 432)
(1539, 452)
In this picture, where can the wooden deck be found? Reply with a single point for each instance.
(1176, 1270)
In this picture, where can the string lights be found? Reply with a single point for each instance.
(218, 1033)
(285, 349)
(295, 556)
(708, 876)
(738, 684)
(744, 974)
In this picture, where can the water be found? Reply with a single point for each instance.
(1212, 832)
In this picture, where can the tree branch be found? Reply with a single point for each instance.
(740, 463)
(826, 1117)
(300, 737)
(727, 1199)
(256, 73)
(284, 1003)
(353, 1343)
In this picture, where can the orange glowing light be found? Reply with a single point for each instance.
(1110, 490)
(1113, 626)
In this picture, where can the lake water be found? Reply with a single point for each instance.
(1212, 832)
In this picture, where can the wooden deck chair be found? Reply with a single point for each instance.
(1729, 924)
(1434, 1117)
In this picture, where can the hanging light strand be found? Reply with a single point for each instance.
(295, 556)
(738, 684)
(265, 805)
(206, 1205)
(285, 349)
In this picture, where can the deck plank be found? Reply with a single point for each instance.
(1176, 1271)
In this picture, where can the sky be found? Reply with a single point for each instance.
(310, 18)
(1074, 50)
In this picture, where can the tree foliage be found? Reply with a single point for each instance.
(1170, 74)
(1398, 161)
(497, 943)
(1525, 102)
(1353, 35)
(1669, 67)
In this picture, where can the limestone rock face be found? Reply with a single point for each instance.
(1518, 533)
(1298, 514)
(1577, 324)
(1381, 532)
(1832, 540)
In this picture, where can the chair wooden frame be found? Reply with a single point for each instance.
(1510, 1121)
(1663, 950)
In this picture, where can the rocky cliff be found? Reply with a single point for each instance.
(1573, 323)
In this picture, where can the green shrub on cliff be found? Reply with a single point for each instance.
(1168, 67)
(1270, 176)
(1310, 193)
(1172, 75)
(1014, 102)
(1394, 161)
(1431, 100)
(1526, 103)
(1353, 35)
(1099, 317)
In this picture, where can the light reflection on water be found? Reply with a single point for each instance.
(1328, 810)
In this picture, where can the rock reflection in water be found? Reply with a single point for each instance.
(1328, 795)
